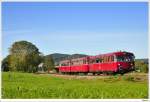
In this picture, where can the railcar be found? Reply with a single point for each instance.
(116, 62)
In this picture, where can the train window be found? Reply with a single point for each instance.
(84, 61)
(97, 60)
(120, 58)
(101, 60)
(112, 58)
(92, 61)
(104, 59)
(107, 58)
(63, 64)
(79, 62)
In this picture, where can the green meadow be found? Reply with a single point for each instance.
(17, 85)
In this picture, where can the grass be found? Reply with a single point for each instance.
(25, 85)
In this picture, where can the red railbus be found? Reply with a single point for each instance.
(116, 62)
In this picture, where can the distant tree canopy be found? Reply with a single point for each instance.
(5, 64)
(48, 63)
(24, 56)
(141, 66)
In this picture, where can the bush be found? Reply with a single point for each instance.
(140, 66)
(129, 78)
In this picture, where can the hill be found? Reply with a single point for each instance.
(58, 56)
(145, 60)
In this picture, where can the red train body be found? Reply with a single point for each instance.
(111, 62)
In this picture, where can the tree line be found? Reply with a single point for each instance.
(141, 66)
(25, 57)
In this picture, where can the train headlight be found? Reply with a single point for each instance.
(132, 64)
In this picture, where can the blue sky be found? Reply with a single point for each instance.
(86, 28)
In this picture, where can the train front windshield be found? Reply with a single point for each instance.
(124, 58)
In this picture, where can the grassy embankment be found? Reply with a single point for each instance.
(25, 85)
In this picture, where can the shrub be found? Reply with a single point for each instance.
(140, 66)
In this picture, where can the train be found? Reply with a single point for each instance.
(115, 62)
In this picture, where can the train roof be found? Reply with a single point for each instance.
(74, 59)
(113, 53)
(107, 54)
(81, 58)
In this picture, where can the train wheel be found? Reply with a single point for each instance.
(84, 73)
(81, 74)
(121, 72)
(105, 73)
(98, 73)
(114, 73)
(76, 73)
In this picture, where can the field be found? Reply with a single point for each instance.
(50, 86)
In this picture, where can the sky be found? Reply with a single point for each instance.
(81, 27)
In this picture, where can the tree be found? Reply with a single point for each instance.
(24, 56)
(48, 63)
(5, 64)
(141, 66)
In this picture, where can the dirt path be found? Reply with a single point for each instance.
(78, 76)
(144, 76)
